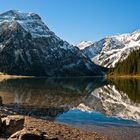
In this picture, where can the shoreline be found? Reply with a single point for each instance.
(7, 76)
(123, 76)
(64, 131)
(50, 128)
(61, 131)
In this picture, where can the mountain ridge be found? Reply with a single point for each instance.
(112, 49)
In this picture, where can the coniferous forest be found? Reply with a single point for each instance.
(130, 66)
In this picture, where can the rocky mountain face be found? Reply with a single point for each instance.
(29, 47)
(112, 49)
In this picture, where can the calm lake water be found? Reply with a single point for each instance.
(94, 104)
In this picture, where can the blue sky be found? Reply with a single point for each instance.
(78, 20)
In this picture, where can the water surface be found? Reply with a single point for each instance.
(108, 107)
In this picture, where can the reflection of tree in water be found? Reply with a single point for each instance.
(129, 86)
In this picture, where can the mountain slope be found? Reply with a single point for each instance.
(112, 49)
(129, 66)
(29, 47)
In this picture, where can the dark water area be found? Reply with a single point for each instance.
(94, 104)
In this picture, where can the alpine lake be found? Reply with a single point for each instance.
(110, 107)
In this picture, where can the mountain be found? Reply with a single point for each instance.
(29, 47)
(111, 49)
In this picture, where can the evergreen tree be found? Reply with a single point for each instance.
(130, 66)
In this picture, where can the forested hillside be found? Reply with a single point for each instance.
(130, 66)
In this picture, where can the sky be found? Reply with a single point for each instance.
(82, 20)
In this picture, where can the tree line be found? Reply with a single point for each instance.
(130, 66)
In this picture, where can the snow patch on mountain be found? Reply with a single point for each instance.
(84, 44)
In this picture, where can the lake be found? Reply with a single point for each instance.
(94, 104)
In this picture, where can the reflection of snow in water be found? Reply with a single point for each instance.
(19, 98)
(84, 108)
(110, 101)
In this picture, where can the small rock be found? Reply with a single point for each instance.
(12, 124)
(30, 134)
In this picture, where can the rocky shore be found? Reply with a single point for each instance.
(22, 127)
(16, 127)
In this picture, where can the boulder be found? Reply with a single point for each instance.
(30, 134)
(12, 124)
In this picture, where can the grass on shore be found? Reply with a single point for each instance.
(124, 76)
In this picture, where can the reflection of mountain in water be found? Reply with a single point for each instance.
(53, 96)
(112, 101)
(47, 92)
(43, 95)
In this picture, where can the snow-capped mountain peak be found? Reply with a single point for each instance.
(112, 49)
(18, 15)
(31, 22)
